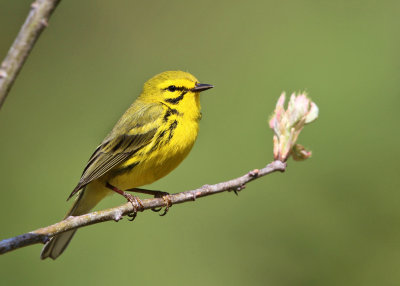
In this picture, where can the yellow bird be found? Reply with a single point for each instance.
(150, 140)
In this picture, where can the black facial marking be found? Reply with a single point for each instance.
(171, 88)
(176, 100)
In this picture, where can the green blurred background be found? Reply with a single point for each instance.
(331, 220)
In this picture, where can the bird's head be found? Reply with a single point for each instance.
(174, 88)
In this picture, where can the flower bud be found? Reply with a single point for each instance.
(287, 125)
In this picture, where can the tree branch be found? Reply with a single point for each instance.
(35, 23)
(43, 234)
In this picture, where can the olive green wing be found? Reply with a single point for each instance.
(135, 130)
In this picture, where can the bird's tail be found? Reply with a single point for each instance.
(88, 198)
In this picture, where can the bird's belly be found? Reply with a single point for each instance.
(157, 164)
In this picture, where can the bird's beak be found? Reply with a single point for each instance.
(201, 87)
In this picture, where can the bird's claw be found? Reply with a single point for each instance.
(132, 216)
(165, 196)
(168, 201)
(137, 205)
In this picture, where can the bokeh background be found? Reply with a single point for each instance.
(331, 220)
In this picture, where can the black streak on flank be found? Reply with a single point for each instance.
(158, 141)
(161, 136)
(176, 100)
(169, 112)
(171, 130)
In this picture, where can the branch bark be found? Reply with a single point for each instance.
(43, 234)
(35, 23)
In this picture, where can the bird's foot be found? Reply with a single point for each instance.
(135, 201)
(167, 198)
(136, 204)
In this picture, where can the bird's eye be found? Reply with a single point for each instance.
(172, 88)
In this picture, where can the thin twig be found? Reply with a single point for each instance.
(35, 23)
(43, 234)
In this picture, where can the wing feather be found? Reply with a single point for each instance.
(135, 130)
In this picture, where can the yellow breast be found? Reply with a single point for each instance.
(171, 144)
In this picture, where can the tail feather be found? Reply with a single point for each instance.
(87, 199)
(57, 245)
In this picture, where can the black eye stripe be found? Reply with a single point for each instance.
(173, 88)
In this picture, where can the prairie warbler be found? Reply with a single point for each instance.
(150, 139)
